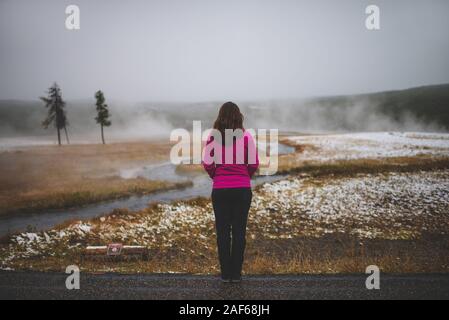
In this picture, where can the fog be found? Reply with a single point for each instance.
(156, 120)
(311, 117)
(163, 64)
(202, 50)
(129, 121)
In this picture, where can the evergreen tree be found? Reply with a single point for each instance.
(102, 113)
(56, 113)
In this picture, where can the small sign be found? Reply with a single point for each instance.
(114, 249)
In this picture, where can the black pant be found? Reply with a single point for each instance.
(231, 207)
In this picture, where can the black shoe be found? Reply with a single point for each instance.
(236, 280)
(225, 279)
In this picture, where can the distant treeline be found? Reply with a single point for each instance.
(428, 104)
(423, 108)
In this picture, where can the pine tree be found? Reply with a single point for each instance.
(102, 113)
(56, 113)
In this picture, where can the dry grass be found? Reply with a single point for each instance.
(326, 255)
(189, 169)
(290, 164)
(57, 177)
(91, 191)
(295, 163)
(192, 248)
(343, 254)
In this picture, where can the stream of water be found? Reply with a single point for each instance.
(201, 187)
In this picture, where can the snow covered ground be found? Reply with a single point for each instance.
(371, 145)
(386, 206)
(394, 206)
(381, 206)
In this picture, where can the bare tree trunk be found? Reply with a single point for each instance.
(66, 135)
(59, 137)
(102, 134)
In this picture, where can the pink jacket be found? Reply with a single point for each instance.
(235, 173)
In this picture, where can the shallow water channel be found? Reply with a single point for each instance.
(201, 186)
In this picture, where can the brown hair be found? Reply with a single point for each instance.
(229, 117)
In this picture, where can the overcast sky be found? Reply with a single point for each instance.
(198, 50)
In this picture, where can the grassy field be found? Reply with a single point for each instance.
(330, 254)
(49, 177)
(326, 223)
(334, 212)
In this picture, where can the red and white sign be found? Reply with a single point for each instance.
(114, 249)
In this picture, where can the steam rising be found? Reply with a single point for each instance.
(156, 120)
(313, 117)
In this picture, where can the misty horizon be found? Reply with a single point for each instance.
(82, 100)
(422, 109)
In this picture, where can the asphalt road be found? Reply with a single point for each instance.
(36, 285)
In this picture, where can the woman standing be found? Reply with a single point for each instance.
(231, 159)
